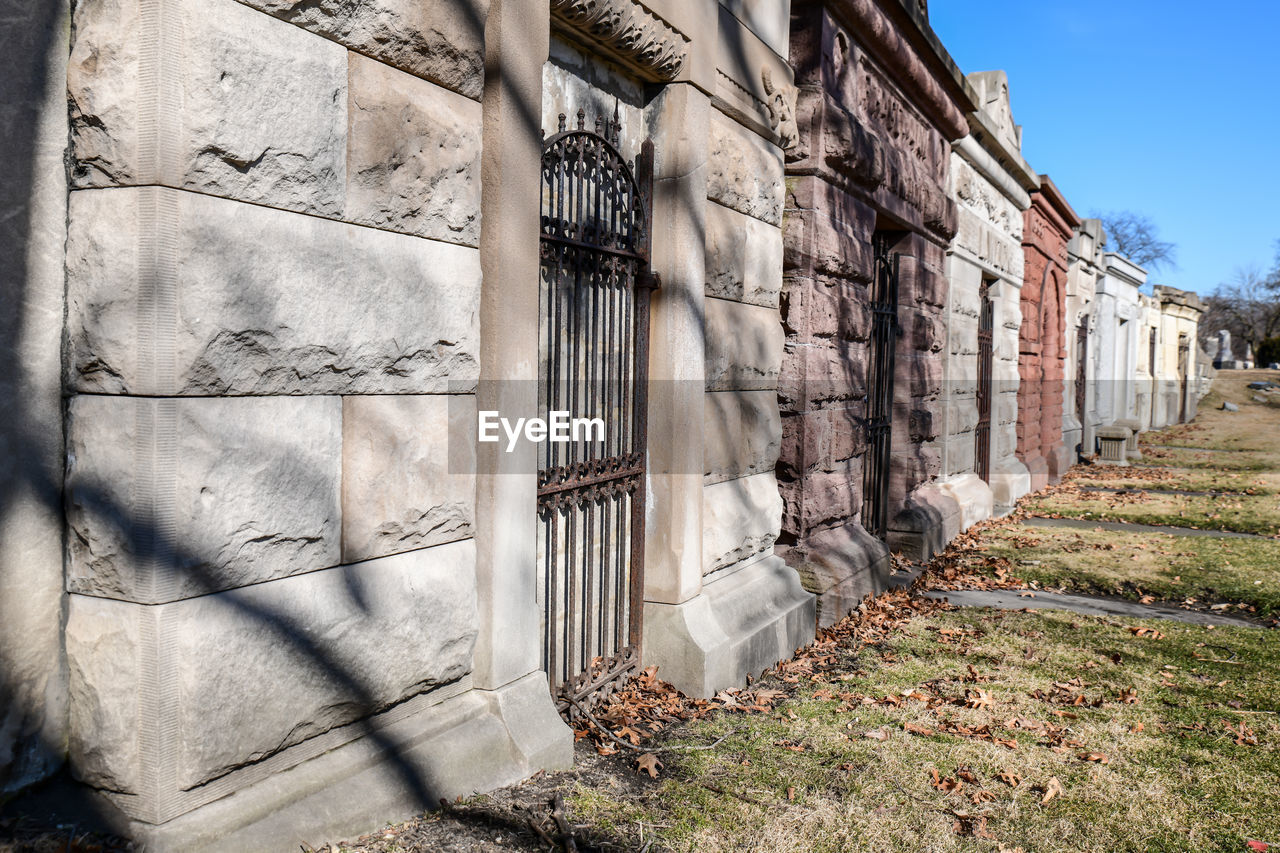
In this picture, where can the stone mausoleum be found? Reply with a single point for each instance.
(990, 182)
(271, 263)
(867, 228)
(304, 244)
(1049, 224)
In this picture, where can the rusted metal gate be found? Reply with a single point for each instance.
(1082, 368)
(880, 359)
(986, 360)
(594, 321)
(1184, 375)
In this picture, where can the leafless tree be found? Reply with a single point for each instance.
(1247, 305)
(1136, 237)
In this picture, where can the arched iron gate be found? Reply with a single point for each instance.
(595, 285)
(880, 359)
(986, 364)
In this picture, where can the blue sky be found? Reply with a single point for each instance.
(1170, 109)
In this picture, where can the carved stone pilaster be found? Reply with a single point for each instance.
(627, 31)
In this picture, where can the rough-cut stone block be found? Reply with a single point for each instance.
(827, 231)
(241, 299)
(33, 198)
(925, 523)
(742, 434)
(840, 566)
(744, 171)
(208, 95)
(972, 496)
(398, 492)
(823, 498)
(171, 498)
(233, 678)
(440, 40)
(820, 374)
(740, 520)
(413, 155)
(743, 257)
(743, 346)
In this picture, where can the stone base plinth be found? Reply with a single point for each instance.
(740, 624)
(972, 496)
(1038, 468)
(476, 741)
(923, 527)
(1059, 460)
(840, 566)
(1010, 480)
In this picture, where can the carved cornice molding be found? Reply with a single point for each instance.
(937, 85)
(627, 31)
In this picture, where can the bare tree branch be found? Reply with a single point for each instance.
(1137, 238)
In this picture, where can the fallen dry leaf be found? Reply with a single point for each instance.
(1052, 789)
(877, 734)
(1149, 633)
(649, 763)
(1095, 756)
(1009, 778)
(917, 730)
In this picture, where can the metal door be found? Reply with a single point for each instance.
(1184, 377)
(1082, 373)
(880, 361)
(986, 336)
(594, 322)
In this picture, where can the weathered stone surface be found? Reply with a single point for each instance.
(413, 155)
(440, 40)
(171, 498)
(840, 566)
(743, 346)
(742, 434)
(243, 675)
(33, 215)
(398, 492)
(261, 301)
(740, 520)
(972, 496)
(744, 171)
(743, 257)
(208, 95)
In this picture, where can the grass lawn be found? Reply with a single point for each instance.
(1243, 513)
(1169, 568)
(981, 730)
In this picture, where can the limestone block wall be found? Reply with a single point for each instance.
(742, 508)
(1083, 271)
(33, 212)
(1049, 225)
(989, 182)
(1118, 317)
(273, 284)
(870, 157)
(1148, 402)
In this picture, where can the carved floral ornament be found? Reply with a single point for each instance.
(627, 30)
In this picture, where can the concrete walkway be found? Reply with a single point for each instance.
(1093, 605)
(1201, 449)
(1126, 527)
(1215, 494)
